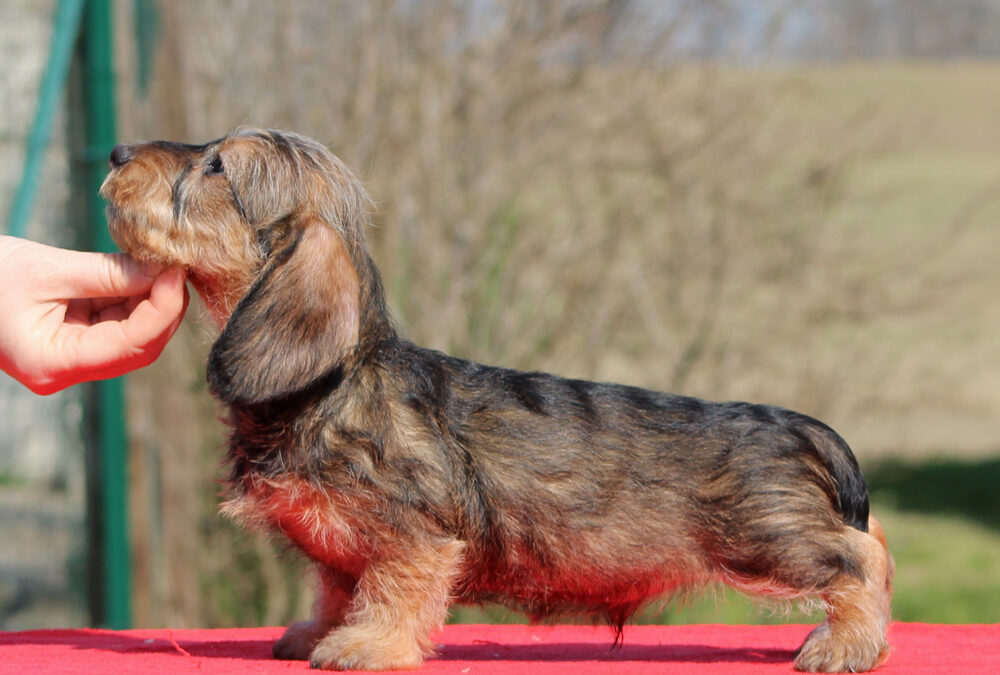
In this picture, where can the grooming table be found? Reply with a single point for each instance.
(500, 650)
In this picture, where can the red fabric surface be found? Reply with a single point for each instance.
(506, 650)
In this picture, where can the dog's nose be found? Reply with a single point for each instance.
(120, 155)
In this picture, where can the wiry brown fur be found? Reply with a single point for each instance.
(414, 479)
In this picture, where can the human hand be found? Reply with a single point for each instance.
(72, 316)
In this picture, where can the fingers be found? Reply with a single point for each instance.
(78, 316)
(110, 348)
(104, 275)
(51, 273)
(158, 316)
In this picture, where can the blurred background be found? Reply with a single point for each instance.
(787, 202)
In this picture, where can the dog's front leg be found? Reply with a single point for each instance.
(398, 603)
(332, 601)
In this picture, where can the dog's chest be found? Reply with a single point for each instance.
(326, 525)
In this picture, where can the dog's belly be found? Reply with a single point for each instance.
(577, 578)
(573, 593)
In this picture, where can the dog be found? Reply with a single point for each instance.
(414, 479)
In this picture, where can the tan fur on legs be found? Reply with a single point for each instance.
(331, 605)
(854, 638)
(399, 604)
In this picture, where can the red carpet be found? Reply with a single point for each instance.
(503, 650)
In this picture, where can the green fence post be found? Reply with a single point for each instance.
(112, 438)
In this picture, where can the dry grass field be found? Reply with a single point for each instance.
(918, 226)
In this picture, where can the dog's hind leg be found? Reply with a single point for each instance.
(853, 639)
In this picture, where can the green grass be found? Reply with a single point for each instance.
(947, 568)
(10, 480)
(942, 518)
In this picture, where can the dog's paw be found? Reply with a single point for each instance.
(299, 641)
(360, 648)
(825, 652)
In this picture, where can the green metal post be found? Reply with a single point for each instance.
(100, 135)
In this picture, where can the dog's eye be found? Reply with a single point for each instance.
(214, 166)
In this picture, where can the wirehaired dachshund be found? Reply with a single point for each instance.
(414, 479)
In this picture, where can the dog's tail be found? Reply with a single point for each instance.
(836, 456)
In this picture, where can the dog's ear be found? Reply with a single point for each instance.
(296, 325)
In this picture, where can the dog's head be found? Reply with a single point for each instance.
(270, 227)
